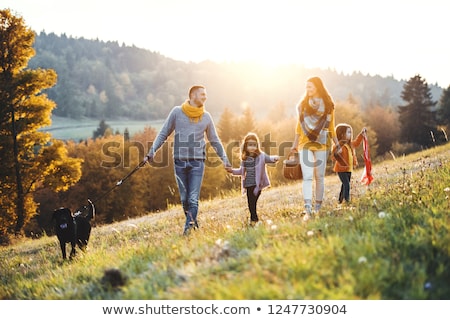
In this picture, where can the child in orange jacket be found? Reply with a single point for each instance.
(346, 161)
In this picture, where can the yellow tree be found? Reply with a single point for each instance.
(30, 159)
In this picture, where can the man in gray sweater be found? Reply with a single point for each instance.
(191, 122)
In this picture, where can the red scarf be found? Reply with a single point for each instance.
(367, 174)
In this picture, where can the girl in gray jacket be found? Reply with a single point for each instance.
(253, 172)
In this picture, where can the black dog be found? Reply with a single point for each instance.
(73, 228)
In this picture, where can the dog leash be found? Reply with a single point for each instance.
(140, 165)
(130, 173)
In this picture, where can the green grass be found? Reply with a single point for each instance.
(393, 243)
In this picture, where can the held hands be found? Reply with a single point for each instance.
(228, 167)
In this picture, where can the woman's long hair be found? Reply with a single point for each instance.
(303, 105)
(244, 152)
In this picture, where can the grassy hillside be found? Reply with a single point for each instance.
(393, 243)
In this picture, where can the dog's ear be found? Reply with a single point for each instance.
(56, 212)
(61, 212)
(68, 212)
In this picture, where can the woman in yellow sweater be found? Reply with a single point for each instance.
(313, 135)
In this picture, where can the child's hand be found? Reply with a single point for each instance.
(229, 169)
(276, 158)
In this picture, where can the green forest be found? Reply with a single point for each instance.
(47, 75)
(106, 80)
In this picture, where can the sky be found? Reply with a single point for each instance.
(398, 38)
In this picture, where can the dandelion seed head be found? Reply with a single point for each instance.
(427, 286)
(350, 218)
(310, 233)
(273, 227)
(269, 222)
(447, 189)
(362, 259)
(381, 214)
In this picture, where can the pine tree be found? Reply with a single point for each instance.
(247, 123)
(444, 108)
(417, 119)
(30, 159)
(226, 126)
(103, 130)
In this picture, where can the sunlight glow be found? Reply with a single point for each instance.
(399, 38)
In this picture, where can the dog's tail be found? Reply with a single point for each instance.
(91, 214)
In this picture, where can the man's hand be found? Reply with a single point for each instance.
(148, 158)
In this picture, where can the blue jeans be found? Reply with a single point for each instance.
(189, 176)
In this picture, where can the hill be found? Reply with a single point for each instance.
(392, 243)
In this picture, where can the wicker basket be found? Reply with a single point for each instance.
(291, 167)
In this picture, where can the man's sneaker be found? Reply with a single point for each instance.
(192, 226)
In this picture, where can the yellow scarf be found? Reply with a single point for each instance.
(194, 113)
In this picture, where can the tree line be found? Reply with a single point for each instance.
(106, 80)
(40, 173)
